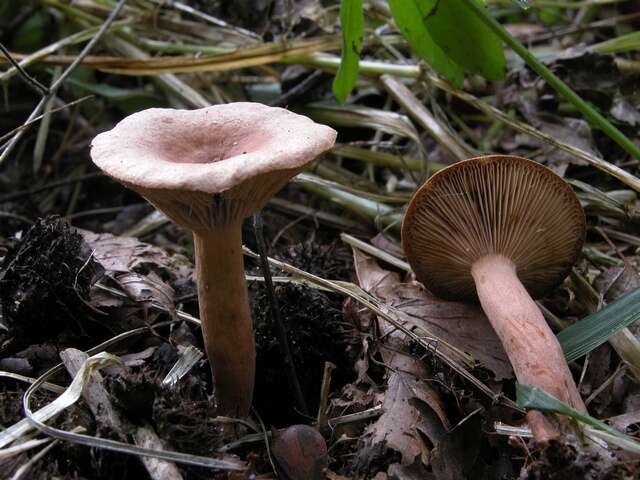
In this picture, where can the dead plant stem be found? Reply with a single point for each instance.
(60, 81)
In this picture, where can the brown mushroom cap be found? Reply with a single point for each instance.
(211, 166)
(495, 204)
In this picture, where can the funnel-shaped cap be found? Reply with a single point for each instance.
(493, 205)
(211, 166)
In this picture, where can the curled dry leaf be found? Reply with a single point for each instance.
(145, 272)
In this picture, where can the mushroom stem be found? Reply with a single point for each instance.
(227, 327)
(532, 348)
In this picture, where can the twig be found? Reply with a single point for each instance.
(29, 80)
(58, 83)
(375, 251)
(275, 312)
(321, 421)
(40, 117)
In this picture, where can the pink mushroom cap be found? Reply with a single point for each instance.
(213, 165)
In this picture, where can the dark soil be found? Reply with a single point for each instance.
(48, 271)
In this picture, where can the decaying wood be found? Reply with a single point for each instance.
(97, 398)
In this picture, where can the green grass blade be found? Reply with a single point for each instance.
(352, 22)
(533, 398)
(590, 113)
(591, 332)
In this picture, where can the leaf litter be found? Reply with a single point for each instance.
(419, 382)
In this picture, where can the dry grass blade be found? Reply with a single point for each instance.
(41, 54)
(69, 397)
(63, 76)
(401, 94)
(411, 71)
(262, 54)
(383, 159)
(357, 116)
(34, 419)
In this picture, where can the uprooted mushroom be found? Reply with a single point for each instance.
(207, 170)
(501, 230)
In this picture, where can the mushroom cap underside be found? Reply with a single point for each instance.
(212, 165)
(497, 204)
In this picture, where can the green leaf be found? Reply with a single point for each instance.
(592, 331)
(408, 17)
(533, 398)
(30, 34)
(127, 100)
(463, 36)
(352, 22)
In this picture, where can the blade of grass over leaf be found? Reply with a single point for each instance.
(533, 398)
(591, 332)
(425, 119)
(408, 17)
(464, 37)
(379, 213)
(623, 43)
(352, 21)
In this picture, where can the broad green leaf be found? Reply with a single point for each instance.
(463, 36)
(592, 331)
(408, 17)
(352, 22)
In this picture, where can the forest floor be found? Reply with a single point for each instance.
(401, 384)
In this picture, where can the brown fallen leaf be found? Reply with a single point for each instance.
(461, 325)
(125, 254)
(143, 271)
(413, 411)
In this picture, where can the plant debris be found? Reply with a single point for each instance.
(421, 388)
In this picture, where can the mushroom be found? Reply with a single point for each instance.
(207, 170)
(502, 230)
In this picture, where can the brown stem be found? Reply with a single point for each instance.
(531, 346)
(227, 327)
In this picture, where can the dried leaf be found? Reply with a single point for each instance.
(616, 282)
(412, 409)
(145, 272)
(463, 326)
(454, 457)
